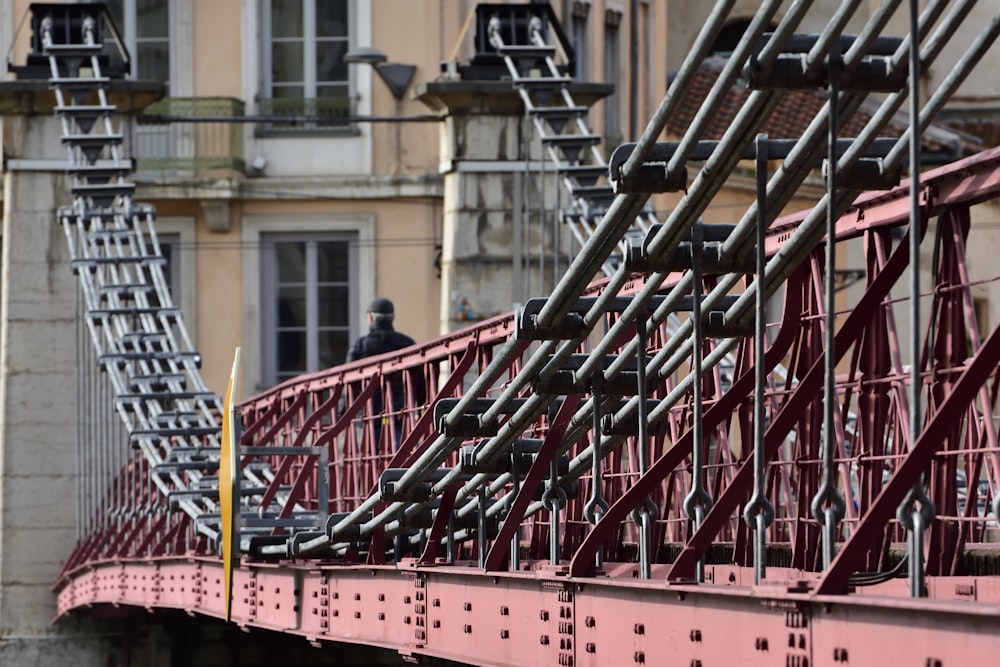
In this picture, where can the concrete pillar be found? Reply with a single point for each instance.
(38, 408)
(485, 140)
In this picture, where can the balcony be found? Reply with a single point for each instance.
(164, 142)
(304, 116)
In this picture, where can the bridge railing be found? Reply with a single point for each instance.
(493, 480)
(336, 409)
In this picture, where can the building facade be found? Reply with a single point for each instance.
(327, 167)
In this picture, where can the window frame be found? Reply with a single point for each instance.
(128, 29)
(310, 103)
(580, 37)
(255, 227)
(180, 234)
(269, 286)
(612, 74)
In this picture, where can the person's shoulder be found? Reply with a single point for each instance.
(403, 340)
(357, 350)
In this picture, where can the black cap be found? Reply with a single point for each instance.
(382, 306)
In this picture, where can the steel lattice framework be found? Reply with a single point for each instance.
(632, 470)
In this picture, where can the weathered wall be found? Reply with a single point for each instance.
(492, 207)
(38, 417)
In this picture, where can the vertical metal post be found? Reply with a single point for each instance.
(322, 476)
(827, 506)
(541, 223)
(633, 69)
(399, 539)
(597, 506)
(81, 407)
(483, 546)
(698, 501)
(915, 519)
(556, 232)
(518, 268)
(642, 444)
(515, 539)
(553, 514)
(526, 190)
(759, 512)
(450, 540)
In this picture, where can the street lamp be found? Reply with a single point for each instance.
(397, 76)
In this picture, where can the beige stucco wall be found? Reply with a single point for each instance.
(421, 33)
(217, 43)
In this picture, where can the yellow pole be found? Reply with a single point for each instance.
(228, 481)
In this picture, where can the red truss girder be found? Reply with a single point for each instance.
(543, 618)
(876, 468)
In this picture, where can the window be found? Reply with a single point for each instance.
(578, 26)
(306, 73)
(145, 27)
(172, 270)
(308, 302)
(176, 236)
(259, 272)
(612, 74)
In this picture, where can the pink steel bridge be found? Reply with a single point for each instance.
(600, 478)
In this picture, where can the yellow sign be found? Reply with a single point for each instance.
(229, 487)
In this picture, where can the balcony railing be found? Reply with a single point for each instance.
(306, 115)
(178, 146)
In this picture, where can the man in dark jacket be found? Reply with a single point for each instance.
(382, 338)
